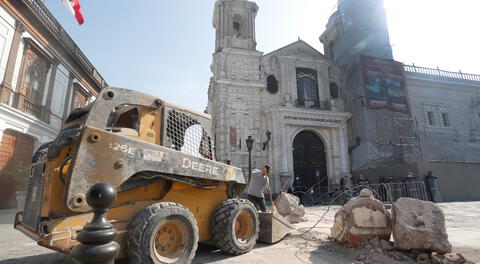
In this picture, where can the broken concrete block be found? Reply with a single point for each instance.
(289, 206)
(361, 219)
(420, 225)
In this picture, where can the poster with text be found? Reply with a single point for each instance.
(384, 82)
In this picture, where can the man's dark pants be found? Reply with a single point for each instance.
(258, 202)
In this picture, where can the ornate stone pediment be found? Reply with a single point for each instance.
(299, 49)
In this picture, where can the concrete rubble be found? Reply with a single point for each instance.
(289, 207)
(372, 251)
(418, 229)
(449, 259)
(420, 225)
(362, 218)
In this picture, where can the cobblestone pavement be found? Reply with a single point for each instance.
(463, 228)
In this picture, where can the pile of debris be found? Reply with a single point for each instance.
(381, 251)
(418, 230)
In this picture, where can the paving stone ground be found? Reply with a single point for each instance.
(463, 228)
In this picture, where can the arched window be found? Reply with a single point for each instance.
(272, 84)
(307, 87)
(333, 90)
(33, 77)
(31, 80)
(237, 26)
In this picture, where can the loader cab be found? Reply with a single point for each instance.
(126, 121)
(170, 127)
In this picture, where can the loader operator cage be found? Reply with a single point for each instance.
(182, 129)
(184, 132)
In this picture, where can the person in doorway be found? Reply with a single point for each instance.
(259, 183)
(299, 189)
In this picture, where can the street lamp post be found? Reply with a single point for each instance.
(249, 142)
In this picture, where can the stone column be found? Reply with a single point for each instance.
(69, 97)
(47, 109)
(292, 79)
(6, 87)
(285, 147)
(323, 83)
(254, 32)
(286, 158)
(343, 149)
(282, 80)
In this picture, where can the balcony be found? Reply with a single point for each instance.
(28, 100)
(315, 104)
(31, 108)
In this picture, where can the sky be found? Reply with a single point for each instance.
(164, 48)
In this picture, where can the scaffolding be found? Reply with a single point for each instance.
(399, 133)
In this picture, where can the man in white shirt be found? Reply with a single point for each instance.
(258, 184)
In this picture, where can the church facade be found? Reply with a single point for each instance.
(288, 101)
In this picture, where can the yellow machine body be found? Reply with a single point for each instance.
(139, 151)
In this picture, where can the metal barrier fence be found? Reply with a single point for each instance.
(390, 192)
(385, 192)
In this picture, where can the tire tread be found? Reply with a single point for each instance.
(221, 229)
(140, 223)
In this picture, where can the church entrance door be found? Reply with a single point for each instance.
(309, 162)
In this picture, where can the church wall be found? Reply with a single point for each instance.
(459, 137)
(359, 28)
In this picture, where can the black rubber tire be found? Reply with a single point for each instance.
(142, 230)
(223, 226)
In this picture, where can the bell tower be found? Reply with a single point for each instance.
(234, 22)
(356, 38)
(236, 84)
(357, 28)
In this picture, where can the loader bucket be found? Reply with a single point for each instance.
(273, 227)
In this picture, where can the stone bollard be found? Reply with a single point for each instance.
(97, 236)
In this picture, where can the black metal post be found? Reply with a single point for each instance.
(249, 165)
(96, 238)
(249, 142)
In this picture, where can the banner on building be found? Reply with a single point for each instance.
(384, 82)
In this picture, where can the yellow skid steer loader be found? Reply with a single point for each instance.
(172, 194)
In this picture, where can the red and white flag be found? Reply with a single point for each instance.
(74, 7)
